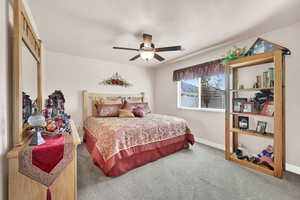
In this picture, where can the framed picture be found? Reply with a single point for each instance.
(243, 122)
(237, 104)
(261, 127)
(248, 107)
(268, 108)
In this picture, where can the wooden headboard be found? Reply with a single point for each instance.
(89, 97)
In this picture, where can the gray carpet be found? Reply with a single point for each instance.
(199, 173)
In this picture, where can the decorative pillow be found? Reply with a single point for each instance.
(131, 106)
(108, 110)
(139, 112)
(125, 113)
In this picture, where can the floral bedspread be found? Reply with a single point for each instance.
(115, 134)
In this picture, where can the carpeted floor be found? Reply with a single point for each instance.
(200, 173)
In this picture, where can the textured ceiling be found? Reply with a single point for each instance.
(89, 28)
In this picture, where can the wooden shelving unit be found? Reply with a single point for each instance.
(231, 133)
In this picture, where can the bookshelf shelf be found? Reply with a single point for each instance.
(276, 58)
(253, 133)
(255, 60)
(251, 165)
(251, 114)
(252, 89)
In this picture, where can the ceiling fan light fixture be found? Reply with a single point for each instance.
(147, 55)
(148, 51)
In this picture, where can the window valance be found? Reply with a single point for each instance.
(205, 69)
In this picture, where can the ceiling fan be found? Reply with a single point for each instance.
(148, 51)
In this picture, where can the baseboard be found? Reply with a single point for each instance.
(209, 143)
(291, 168)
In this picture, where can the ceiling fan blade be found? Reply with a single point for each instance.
(158, 57)
(124, 48)
(135, 57)
(147, 39)
(173, 48)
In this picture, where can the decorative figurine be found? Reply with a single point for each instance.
(55, 104)
(241, 87)
(57, 120)
(27, 107)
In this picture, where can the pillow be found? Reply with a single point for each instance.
(125, 113)
(139, 112)
(105, 100)
(108, 110)
(131, 106)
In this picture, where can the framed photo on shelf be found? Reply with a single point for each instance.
(261, 127)
(243, 122)
(268, 108)
(237, 104)
(248, 107)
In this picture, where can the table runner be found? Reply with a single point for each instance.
(45, 162)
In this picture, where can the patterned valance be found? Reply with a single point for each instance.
(205, 69)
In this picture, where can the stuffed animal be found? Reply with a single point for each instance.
(266, 158)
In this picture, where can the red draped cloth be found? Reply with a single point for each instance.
(45, 162)
(46, 156)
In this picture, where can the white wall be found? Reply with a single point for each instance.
(5, 95)
(209, 125)
(73, 74)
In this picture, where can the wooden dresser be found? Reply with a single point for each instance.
(23, 188)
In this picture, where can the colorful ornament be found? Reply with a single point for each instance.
(117, 80)
(234, 54)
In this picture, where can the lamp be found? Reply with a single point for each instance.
(36, 120)
(146, 55)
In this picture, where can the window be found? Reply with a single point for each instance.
(207, 92)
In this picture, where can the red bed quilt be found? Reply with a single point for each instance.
(120, 144)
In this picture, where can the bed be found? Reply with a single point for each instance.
(118, 145)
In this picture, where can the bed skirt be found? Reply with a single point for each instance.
(134, 157)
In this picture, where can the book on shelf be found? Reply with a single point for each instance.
(258, 82)
(268, 78)
(271, 77)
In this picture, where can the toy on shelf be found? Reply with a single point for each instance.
(266, 158)
(243, 153)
